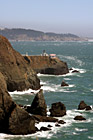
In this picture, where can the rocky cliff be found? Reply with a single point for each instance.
(13, 119)
(15, 74)
(47, 65)
(16, 71)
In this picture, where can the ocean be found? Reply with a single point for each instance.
(79, 56)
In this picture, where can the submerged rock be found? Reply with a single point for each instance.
(75, 71)
(88, 108)
(58, 110)
(80, 118)
(61, 122)
(57, 125)
(39, 106)
(49, 125)
(44, 128)
(63, 84)
(17, 72)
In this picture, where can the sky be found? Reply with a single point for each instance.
(59, 16)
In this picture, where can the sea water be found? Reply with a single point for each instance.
(79, 56)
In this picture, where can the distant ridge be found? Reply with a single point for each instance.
(33, 35)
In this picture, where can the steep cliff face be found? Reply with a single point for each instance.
(47, 65)
(13, 119)
(18, 74)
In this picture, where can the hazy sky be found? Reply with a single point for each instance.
(60, 16)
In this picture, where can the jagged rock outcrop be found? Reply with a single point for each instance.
(47, 65)
(13, 119)
(45, 119)
(20, 122)
(6, 105)
(18, 74)
(39, 106)
(63, 84)
(58, 110)
(83, 105)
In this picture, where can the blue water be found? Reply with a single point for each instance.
(78, 55)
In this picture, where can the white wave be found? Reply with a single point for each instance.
(74, 133)
(71, 85)
(67, 79)
(48, 75)
(89, 137)
(48, 88)
(73, 58)
(80, 70)
(43, 83)
(69, 119)
(92, 90)
(30, 91)
(64, 75)
(56, 88)
(80, 130)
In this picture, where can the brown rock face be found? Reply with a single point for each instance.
(47, 65)
(63, 84)
(83, 105)
(80, 118)
(20, 122)
(6, 105)
(39, 106)
(13, 119)
(44, 118)
(58, 110)
(18, 74)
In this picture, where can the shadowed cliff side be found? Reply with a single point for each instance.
(18, 74)
(13, 119)
(47, 65)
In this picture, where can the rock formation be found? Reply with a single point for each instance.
(58, 110)
(80, 118)
(40, 118)
(83, 105)
(13, 119)
(44, 129)
(63, 84)
(39, 106)
(75, 71)
(18, 74)
(47, 65)
(20, 122)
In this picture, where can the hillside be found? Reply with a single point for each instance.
(32, 35)
(17, 73)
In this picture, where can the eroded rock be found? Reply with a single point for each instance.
(63, 84)
(58, 110)
(80, 118)
(20, 122)
(39, 106)
(83, 106)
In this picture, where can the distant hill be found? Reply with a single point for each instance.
(32, 35)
